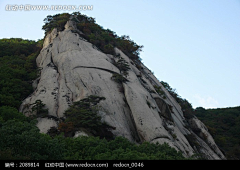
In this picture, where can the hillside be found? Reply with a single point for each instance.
(19, 135)
(88, 84)
(224, 125)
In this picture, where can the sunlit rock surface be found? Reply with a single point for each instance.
(72, 69)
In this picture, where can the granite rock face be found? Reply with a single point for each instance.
(72, 69)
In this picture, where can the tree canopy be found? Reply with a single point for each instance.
(103, 39)
(17, 69)
(224, 125)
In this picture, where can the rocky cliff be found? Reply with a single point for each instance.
(72, 69)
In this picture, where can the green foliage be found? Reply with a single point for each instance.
(92, 148)
(17, 46)
(18, 136)
(118, 78)
(104, 39)
(84, 114)
(56, 21)
(17, 69)
(109, 49)
(160, 91)
(9, 113)
(22, 140)
(38, 108)
(122, 65)
(224, 125)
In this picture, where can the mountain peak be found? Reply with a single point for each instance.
(80, 59)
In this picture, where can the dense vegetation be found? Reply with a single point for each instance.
(20, 139)
(18, 46)
(103, 39)
(83, 115)
(224, 125)
(17, 69)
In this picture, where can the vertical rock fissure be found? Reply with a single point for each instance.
(57, 104)
(83, 83)
(69, 89)
(58, 84)
(137, 136)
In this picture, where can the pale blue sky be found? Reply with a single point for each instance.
(194, 45)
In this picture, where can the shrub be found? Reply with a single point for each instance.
(160, 91)
(38, 108)
(103, 39)
(109, 49)
(123, 65)
(56, 21)
(84, 114)
(118, 78)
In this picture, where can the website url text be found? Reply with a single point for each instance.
(48, 7)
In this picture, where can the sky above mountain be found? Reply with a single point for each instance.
(192, 45)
